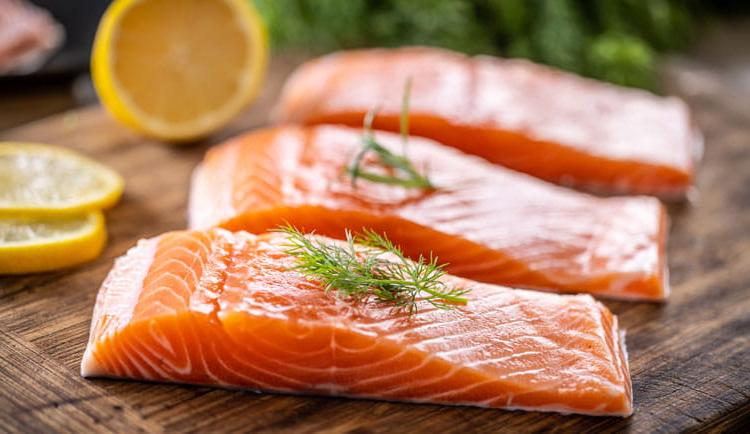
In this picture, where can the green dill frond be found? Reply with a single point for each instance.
(368, 265)
(404, 119)
(404, 173)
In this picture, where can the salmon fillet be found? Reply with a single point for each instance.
(220, 308)
(551, 124)
(29, 35)
(488, 223)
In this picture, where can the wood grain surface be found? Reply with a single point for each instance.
(690, 357)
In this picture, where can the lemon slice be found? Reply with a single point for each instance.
(179, 69)
(42, 180)
(29, 245)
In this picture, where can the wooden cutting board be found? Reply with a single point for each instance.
(690, 357)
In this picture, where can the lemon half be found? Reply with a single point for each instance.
(179, 69)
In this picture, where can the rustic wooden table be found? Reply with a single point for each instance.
(690, 357)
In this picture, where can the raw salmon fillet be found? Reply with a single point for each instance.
(221, 308)
(551, 124)
(488, 223)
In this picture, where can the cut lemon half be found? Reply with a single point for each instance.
(30, 245)
(178, 70)
(42, 180)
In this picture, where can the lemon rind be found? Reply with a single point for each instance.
(55, 253)
(115, 185)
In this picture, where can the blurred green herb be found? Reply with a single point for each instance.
(613, 40)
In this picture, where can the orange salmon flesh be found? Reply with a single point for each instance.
(220, 308)
(550, 124)
(486, 222)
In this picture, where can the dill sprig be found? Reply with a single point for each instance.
(368, 265)
(404, 173)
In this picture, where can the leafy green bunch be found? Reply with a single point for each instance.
(613, 40)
